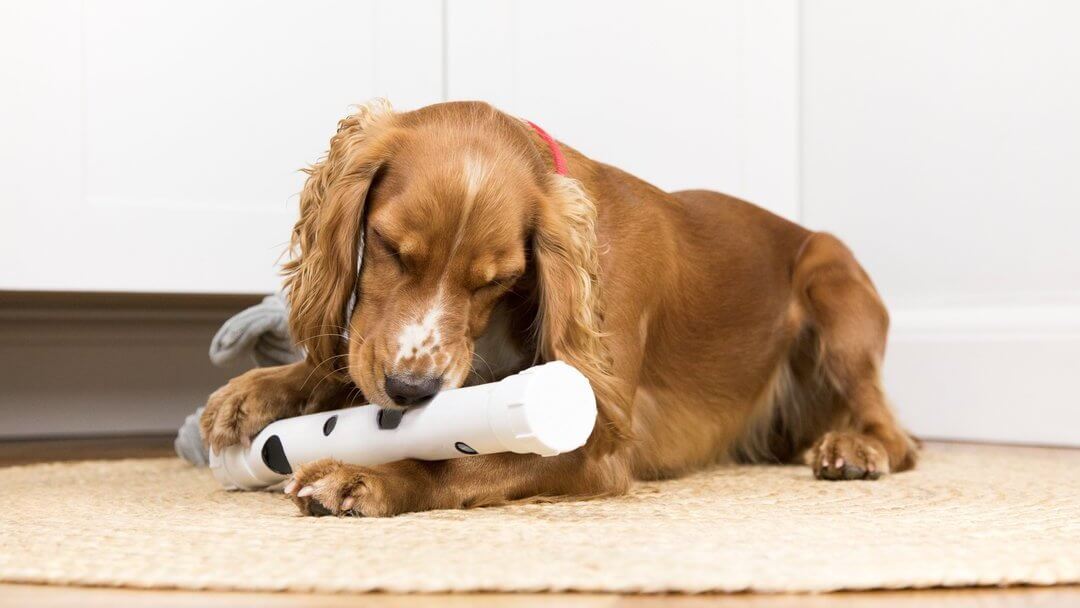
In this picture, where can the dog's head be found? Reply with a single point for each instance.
(452, 209)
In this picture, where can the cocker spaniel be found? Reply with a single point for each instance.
(711, 330)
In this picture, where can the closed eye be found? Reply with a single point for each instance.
(504, 281)
(391, 250)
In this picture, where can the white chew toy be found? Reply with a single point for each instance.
(547, 410)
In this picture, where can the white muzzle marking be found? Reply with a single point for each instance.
(417, 340)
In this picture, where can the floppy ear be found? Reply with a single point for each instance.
(570, 319)
(327, 241)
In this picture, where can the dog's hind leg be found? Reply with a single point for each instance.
(843, 311)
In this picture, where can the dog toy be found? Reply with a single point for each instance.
(547, 410)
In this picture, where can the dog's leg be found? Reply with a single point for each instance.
(331, 487)
(237, 411)
(864, 439)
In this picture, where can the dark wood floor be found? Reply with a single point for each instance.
(26, 452)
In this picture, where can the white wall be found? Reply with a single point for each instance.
(941, 140)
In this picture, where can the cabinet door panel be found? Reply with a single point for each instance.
(684, 94)
(156, 146)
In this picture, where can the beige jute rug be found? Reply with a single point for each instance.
(968, 516)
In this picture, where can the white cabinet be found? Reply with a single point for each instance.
(156, 145)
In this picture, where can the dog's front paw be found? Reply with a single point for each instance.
(842, 455)
(331, 487)
(237, 411)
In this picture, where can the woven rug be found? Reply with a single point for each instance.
(968, 516)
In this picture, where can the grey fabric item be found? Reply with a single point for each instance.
(260, 333)
(189, 444)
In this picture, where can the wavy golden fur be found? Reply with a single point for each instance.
(709, 329)
(331, 207)
(570, 315)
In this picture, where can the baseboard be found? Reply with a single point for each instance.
(88, 364)
(94, 364)
(1003, 374)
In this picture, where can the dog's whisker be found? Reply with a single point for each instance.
(323, 362)
(328, 374)
(491, 371)
(316, 336)
(354, 392)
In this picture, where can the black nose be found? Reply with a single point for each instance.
(407, 390)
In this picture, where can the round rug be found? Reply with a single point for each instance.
(969, 515)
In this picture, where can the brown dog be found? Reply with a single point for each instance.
(710, 329)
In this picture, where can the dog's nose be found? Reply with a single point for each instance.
(408, 390)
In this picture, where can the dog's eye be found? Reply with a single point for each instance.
(396, 256)
(391, 251)
(496, 283)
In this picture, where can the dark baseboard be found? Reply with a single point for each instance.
(107, 363)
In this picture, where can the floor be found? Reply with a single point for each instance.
(27, 452)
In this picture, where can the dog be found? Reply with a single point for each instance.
(710, 329)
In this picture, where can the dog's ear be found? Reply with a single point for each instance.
(567, 267)
(327, 240)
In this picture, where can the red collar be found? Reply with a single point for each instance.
(556, 151)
